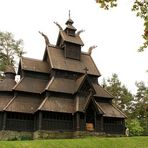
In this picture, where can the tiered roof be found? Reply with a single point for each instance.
(35, 85)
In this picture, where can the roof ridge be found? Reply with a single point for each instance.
(49, 83)
(42, 103)
(99, 106)
(83, 77)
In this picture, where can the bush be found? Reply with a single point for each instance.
(135, 128)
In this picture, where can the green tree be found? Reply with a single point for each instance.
(135, 129)
(139, 6)
(122, 96)
(10, 50)
(140, 110)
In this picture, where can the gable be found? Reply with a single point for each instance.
(58, 61)
(34, 65)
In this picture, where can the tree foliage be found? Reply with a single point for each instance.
(139, 6)
(122, 96)
(140, 110)
(135, 106)
(135, 129)
(106, 4)
(10, 49)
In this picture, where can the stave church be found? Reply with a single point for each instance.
(58, 95)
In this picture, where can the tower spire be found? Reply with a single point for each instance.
(69, 14)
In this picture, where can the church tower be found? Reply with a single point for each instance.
(70, 41)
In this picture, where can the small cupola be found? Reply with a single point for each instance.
(9, 72)
(70, 29)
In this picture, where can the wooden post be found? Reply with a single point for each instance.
(95, 121)
(77, 121)
(85, 120)
(4, 121)
(40, 120)
(73, 122)
(34, 122)
(102, 124)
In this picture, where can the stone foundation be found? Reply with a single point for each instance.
(52, 135)
(16, 135)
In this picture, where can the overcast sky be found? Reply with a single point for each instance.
(117, 32)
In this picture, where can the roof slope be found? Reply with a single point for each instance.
(23, 104)
(7, 84)
(109, 110)
(101, 92)
(62, 85)
(29, 84)
(72, 39)
(57, 104)
(58, 61)
(34, 65)
(4, 101)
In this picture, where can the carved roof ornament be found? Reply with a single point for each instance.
(80, 31)
(90, 49)
(60, 28)
(46, 38)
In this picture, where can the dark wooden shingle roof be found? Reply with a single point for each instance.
(58, 61)
(34, 65)
(72, 39)
(7, 84)
(57, 104)
(109, 110)
(4, 99)
(62, 85)
(30, 84)
(23, 104)
(101, 92)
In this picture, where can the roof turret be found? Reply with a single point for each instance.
(70, 29)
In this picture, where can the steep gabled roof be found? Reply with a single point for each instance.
(101, 92)
(30, 84)
(58, 61)
(109, 110)
(57, 104)
(72, 39)
(34, 65)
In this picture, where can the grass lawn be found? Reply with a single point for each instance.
(89, 142)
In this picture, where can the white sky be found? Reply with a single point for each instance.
(117, 32)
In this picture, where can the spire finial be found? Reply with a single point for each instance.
(69, 14)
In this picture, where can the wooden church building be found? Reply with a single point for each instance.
(59, 93)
